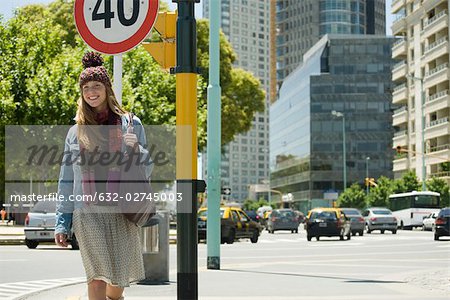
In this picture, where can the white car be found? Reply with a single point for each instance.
(428, 221)
(380, 218)
(40, 225)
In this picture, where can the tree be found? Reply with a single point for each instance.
(353, 196)
(440, 186)
(379, 195)
(254, 205)
(407, 183)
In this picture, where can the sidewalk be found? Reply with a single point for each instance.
(235, 284)
(11, 234)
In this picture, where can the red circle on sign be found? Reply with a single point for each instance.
(119, 47)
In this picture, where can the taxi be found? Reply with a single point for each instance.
(329, 222)
(234, 224)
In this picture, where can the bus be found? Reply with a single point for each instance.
(410, 208)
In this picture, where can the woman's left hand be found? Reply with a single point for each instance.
(130, 140)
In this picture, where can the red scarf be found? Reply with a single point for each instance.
(114, 141)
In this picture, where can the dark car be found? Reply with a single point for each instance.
(282, 219)
(234, 224)
(442, 224)
(252, 215)
(357, 222)
(327, 222)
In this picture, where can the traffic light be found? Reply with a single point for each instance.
(399, 149)
(164, 52)
(370, 182)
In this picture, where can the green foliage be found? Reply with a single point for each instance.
(407, 183)
(379, 195)
(354, 196)
(254, 205)
(40, 61)
(440, 186)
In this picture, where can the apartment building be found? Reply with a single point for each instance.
(421, 88)
(245, 161)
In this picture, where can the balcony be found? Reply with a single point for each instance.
(437, 75)
(399, 70)
(435, 50)
(437, 102)
(400, 163)
(435, 24)
(400, 137)
(437, 128)
(438, 154)
(400, 116)
(440, 175)
(399, 26)
(396, 5)
(399, 49)
(400, 94)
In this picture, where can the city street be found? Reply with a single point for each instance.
(409, 265)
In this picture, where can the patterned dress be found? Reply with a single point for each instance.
(109, 245)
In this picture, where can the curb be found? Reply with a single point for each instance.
(16, 242)
(12, 242)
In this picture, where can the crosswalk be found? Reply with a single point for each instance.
(18, 290)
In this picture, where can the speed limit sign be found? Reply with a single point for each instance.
(114, 26)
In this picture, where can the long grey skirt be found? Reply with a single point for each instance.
(109, 245)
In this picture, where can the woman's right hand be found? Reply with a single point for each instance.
(61, 240)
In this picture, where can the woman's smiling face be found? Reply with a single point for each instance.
(94, 93)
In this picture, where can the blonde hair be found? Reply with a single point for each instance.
(86, 116)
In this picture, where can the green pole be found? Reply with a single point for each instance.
(344, 151)
(214, 138)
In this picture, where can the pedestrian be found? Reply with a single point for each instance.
(109, 243)
(3, 214)
(11, 218)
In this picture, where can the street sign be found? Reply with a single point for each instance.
(114, 26)
(226, 191)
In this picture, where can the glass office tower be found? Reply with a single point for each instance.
(350, 75)
(301, 23)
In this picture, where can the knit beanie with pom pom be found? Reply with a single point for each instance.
(93, 69)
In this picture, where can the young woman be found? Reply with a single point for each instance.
(109, 243)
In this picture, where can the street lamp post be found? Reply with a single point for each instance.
(422, 112)
(344, 162)
(367, 174)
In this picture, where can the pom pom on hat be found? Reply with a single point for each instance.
(93, 69)
(92, 59)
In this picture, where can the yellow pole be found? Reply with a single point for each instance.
(186, 125)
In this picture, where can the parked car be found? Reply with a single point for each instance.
(282, 219)
(327, 222)
(442, 224)
(234, 224)
(357, 223)
(380, 218)
(40, 225)
(428, 222)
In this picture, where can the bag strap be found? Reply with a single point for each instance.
(130, 126)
